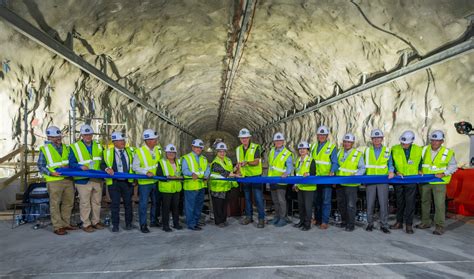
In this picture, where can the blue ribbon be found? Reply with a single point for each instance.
(321, 180)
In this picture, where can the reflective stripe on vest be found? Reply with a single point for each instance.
(171, 186)
(323, 157)
(277, 165)
(189, 183)
(403, 166)
(83, 156)
(249, 156)
(148, 163)
(221, 185)
(350, 165)
(301, 169)
(437, 165)
(377, 166)
(54, 160)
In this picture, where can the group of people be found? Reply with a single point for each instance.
(192, 173)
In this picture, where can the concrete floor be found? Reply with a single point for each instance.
(237, 252)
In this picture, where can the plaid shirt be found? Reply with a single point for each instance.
(42, 163)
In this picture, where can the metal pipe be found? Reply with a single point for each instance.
(440, 57)
(30, 31)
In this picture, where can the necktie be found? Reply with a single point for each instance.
(124, 161)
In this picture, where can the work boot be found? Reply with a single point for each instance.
(167, 229)
(144, 229)
(324, 226)
(115, 229)
(275, 220)
(439, 230)
(88, 229)
(246, 221)
(261, 223)
(396, 226)
(409, 229)
(60, 231)
(128, 227)
(71, 228)
(99, 226)
(384, 230)
(369, 228)
(298, 225)
(349, 228)
(306, 228)
(422, 226)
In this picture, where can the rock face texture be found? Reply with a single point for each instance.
(173, 53)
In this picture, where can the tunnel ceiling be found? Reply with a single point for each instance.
(173, 53)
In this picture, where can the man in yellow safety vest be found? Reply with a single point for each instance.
(440, 161)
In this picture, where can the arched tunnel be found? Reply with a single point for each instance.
(191, 68)
(206, 69)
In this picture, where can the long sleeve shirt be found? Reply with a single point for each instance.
(136, 162)
(452, 164)
(288, 162)
(187, 172)
(42, 163)
(377, 151)
(333, 157)
(360, 164)
(74, 164)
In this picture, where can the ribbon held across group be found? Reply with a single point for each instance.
(359, 179)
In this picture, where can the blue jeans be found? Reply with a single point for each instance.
(257, 190)
(193, 203)
(146, 192)
(322, 203)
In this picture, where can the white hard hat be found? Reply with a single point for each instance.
(150, 134)
(117, 136)
(86, 130)
(198, 143)
(407, 137)
(53, 131)
(437, 135)
(278, 136)
(322, 130)
(221, 146)
(303, 144)
(244, 133)
(349, 137)
(170, 148)
(376, 133)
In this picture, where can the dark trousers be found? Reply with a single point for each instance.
(159, 201)
(121, 190)
(220, 209)
(346, 203)
(170, 201)
(305, 206)
(405, 194)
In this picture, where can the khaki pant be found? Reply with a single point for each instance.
(61, 201)
(90, 197)
(439, 195)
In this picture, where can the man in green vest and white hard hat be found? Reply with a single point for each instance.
(249, 164)
(195, 171)
(440, 161)
(119, 159)
(280, 164)
(87, 155)
(145, 162)
(406, 159)
(350, 163)
(54, 154)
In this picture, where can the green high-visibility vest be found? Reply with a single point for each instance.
(109, 157)
(221, 185)
(83, 156)
(323, 157)
(199, 168)
(377, 166)
(277, 165)
(300, 169)
(54, 160)
(248, 170)
(350, 165)
(171, 186)
(437, 165)
(148, 162)
(403, 166)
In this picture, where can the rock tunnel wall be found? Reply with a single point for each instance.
(171, 53)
